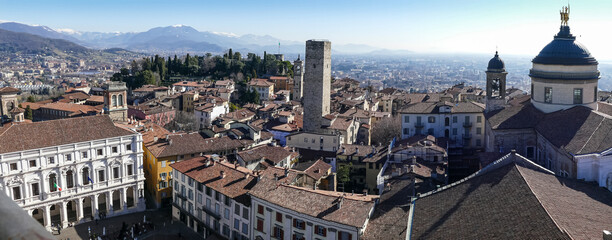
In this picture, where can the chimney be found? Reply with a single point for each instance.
(222, 175)
(339, 204)
(235, 165)
(356, 150)
(208, 163)
(170, 142)
(342, 150)
(275, 177)
(607, 235)
(155, 139)
(365, 192)
(286, 172)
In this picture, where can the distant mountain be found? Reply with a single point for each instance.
(16, 42)
(182, 39)
(42, 31)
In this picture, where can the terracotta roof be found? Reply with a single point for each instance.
(341, 124)
(354, 210)
(274, 154)
(494, 203)
(78, 95)
(192, 143)
(239, 115)
(33, 106)
(149, 132)
(95, 98)
(58, 132)
(314, 169)
(260, 82)
(351, 150)
(75, 109)
(236, 181)
(9, 90)
(284, 128)
(278, 78)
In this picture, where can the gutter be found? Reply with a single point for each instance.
(410, 219)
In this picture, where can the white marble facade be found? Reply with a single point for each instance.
(114, 166)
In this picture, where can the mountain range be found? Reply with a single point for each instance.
(180, 39)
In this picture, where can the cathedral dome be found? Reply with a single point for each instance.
(496, 64)
(565, 50)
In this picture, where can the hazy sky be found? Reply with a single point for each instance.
(515, 27)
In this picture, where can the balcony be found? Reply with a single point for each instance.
(467, 136)
(467, 124)
(211, 212)
(419, 125)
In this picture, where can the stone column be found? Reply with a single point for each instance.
(79, 206)
(64, 214)
(47, 217)
(109, 202)
(123, 198)
(94, 207)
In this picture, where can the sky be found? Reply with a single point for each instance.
(520, 27)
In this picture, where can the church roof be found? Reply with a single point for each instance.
(495, 201)
(565, 50)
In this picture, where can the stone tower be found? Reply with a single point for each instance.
(496, 84)
(298, 77)
(317, 83)
(115, 101)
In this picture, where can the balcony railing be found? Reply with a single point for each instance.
(211, 212)
(467, 124)
(467, 136)
(419, 125)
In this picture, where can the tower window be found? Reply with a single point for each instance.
(548, 94)
(577, 95)
(114, 101)
(595, 94)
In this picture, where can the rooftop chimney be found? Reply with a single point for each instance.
(339, 204)
(155, 139)
(607, 235)
(365, 192)
(356, 150)
(286, 172)
(222, 175)
(275, 177)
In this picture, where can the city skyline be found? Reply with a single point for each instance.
(516, 27)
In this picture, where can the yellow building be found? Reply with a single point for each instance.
(366, 162)
(189, 99)
(158, 172)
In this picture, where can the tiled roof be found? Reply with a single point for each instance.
(495, 202)
(149, 132)
(356, 150)
(239, 114)
(516, 117)
(495, 205)
(274, 154)
(578, 130)
(192, 143)
(354, 210)
(390, 218)
(341, 124)
(260, 82)
(36, 135)
(314, 169)
(433, 107)
(235, 184)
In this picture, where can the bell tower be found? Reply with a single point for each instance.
(496, 84)
(115, 101)
(298, 78)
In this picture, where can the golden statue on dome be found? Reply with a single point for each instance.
(565, 11)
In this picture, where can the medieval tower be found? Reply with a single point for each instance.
(317, 83)
(496, 84)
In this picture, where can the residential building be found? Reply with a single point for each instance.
(463, 122)
(267, 155)
(70, 170)
(283, 211)
(210, 197)
(264, 88)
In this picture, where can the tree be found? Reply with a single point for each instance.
(31, 98)
(233, 107)
(344, 173)
(386, 129)
(28, 113)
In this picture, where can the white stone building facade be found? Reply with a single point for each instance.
(75, 182)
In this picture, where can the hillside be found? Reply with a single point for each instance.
(24, 43)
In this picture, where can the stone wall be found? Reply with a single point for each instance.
(317, 84)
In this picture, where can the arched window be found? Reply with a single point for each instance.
(52, 182)
(120, 99)
(69, 179)
(85, 176)
(114, 101)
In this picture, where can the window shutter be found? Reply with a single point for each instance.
(350, 236)
(324, 232)
(294, 222)
(282, 234)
